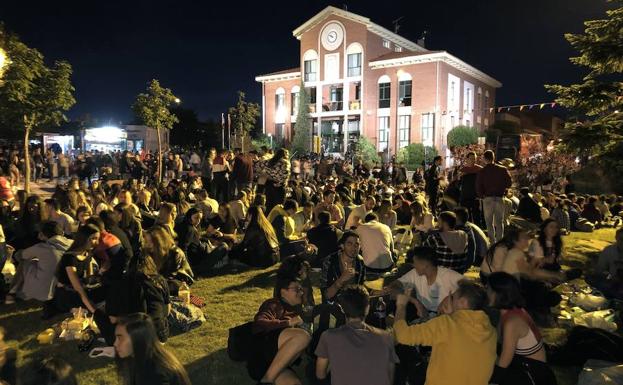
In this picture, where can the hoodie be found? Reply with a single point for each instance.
(41, 261)
(464, 346)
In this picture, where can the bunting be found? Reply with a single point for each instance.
(522, 107)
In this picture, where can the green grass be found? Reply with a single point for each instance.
(232, 298)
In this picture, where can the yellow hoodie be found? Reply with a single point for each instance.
(463, 343)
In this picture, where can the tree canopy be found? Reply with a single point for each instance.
(243, 116)
(462, 136)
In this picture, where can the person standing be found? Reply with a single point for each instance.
(278, 172)
(433, 176)
(469, 198)
(242, 173)
(220, 168)
(491, 184)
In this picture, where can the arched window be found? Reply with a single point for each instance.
(310, 66)
(354, 54)
(280, 99)
(294, 100)
(384, 91)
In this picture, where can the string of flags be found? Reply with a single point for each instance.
(523, 106)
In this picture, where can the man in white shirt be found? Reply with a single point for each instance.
(432, 284)
(303, 219)
(195, 161)
(207, 205)
(358, 214)
(377, 244)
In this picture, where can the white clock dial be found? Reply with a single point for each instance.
(332, 36)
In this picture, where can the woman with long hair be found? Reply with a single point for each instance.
(77, 274)
(166, 218)
(170, 260)
(259, 247)
(421, 218)
(141, 358)
(278, 172)
(546, 250)
(522, 359)
(127, 221)
(27, 226)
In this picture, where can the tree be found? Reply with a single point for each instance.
(244, 116)
(33, 96)
(462, 136)
(596, 104)
(415, 154)
(366, 152)
(302, 134)
(187, 128)
(153, 109)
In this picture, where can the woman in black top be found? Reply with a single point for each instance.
(126, 220)
(141, 358)
(77, 273)
(27, 226)
(260, 247)
(170, 260)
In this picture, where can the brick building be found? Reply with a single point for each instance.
(366, 80)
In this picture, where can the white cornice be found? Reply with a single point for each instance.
(372, 27)
(278, 77)
(434, 57)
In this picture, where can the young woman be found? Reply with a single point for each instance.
(166, 218)
(494, 260)
(522, 359)
(546, 250)
(278, 341)
(77, 273)
(83, 214)
(170, 260)
(141, 358)
(26, 228)
(278, 171)
(131, 226)
(259, 247)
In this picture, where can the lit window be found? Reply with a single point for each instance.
(354, 64)
(383, 133)
(294, 103)
(404, 93)
(386, 44)
(398, 48)
(311, 69)
(404, 130)
(279, 131)
(428, 129)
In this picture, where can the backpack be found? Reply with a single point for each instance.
(185, 317)
(239, 341)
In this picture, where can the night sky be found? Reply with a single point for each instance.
(207, 50)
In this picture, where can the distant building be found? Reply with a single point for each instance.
(143, 137)
(534, 121)
(364, 80)
(123, 137)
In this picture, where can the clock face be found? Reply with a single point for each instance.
(332, 36)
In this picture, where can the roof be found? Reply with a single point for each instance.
(417, 58)
(372, 27)
(398, 55)
(292, 73)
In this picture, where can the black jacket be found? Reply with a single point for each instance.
(325, 238)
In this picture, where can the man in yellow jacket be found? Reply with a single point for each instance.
(463, 340)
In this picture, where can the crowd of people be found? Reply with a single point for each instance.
(115, 241)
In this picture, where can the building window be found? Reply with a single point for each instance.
(279, 131)
(468, 122)
(404, 93)
(358, 91)
(311, 69)
(386, 44)
(294, 103)
(486, 105)
(398, 48)
(280, 101)
(335, 96)
(383, 133)
(428, 129)
(311, 91)
(468, 100)
(354, 64)
(404, 130)
(384, 95)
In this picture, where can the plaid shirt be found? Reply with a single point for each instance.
(332, 270)
(445, 256)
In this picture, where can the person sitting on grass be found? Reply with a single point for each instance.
(78, 279)
(343, 267)
(35, 277)
(279, 340)
(522, 359)
(449, 243)
(356, 353)
(170, 260)
(141, 358)
(49, 371)
(462, 339)
(202, 254)
(259, 247)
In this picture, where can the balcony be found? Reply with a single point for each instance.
(332, 106)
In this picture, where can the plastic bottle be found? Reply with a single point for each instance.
(380, 311)
(184, 293)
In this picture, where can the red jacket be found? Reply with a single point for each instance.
(492, 181)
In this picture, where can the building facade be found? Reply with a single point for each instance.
(364, 80)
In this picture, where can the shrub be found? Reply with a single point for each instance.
(366, 152)
(413, 155)
(462, 136)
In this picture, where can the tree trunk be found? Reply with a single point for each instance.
(26, 156)
(159, 157)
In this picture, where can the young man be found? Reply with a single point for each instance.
(463, 340)
(53, 208)
(433, 177)
(491, 183)
(328, 204)
(477, 241)
(342, 268)
(449, 244)
(325, 237)
(358, 214)
(377, 244)
(469, 173)
(356, 352)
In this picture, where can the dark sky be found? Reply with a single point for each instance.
(207, 50)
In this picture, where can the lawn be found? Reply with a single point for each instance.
(232, 298)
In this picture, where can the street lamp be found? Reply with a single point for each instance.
(4, 61)
(177, 100)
